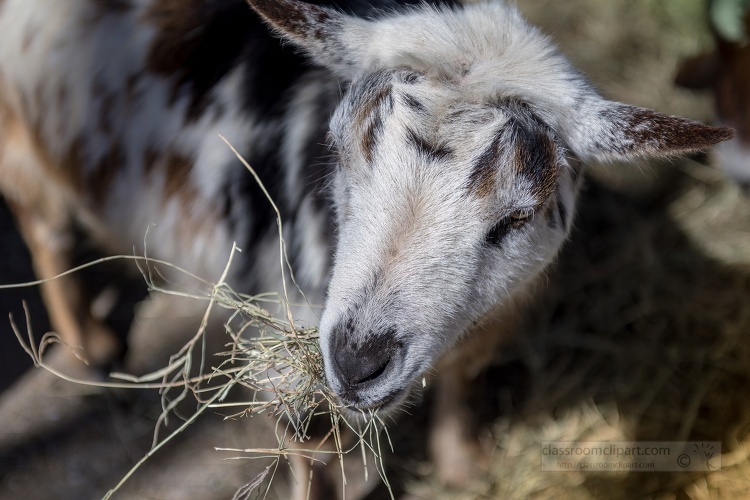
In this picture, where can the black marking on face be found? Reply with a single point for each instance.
(411, 77)
(370, 137)
(536, 158)
(413, 103)
(432, 152)
(498, 232)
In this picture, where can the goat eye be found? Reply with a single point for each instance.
(513, 221)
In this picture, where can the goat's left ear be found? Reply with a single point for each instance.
(614, 131)
(328, 36)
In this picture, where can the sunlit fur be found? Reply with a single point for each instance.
(450, 184)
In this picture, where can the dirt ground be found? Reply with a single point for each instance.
(641, 334)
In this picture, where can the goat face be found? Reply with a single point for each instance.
(456, 177)
(444, 209)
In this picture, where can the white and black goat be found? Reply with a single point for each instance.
(455, 136)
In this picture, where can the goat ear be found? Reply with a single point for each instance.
(321, 32)
(621, 132)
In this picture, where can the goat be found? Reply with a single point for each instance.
(458, 135)
(726, 72)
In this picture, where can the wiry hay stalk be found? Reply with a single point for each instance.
(278, 364)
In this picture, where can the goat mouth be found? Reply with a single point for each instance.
(356, 405)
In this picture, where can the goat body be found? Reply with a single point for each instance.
(447, 185)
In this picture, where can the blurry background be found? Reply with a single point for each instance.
(642, 334)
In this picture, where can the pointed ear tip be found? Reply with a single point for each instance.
(721, 134)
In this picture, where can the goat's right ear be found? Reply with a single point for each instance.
(329, 37)
(614, 131)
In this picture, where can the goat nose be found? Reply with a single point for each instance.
(357, 366)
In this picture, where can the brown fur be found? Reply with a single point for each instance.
(177, 169)
(370, 123)
(482, 179)
(173, 19)
(150, 158)
(646, 127)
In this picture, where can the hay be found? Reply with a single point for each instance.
(277, 364)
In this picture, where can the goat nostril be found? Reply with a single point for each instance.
(377, 373)
(356, 367)
(364, 357)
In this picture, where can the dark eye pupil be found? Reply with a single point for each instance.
(497, 233)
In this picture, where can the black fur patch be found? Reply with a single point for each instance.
(536, 157)
(433, 152)
(245, 208)
(197, 43)
(414, 103)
